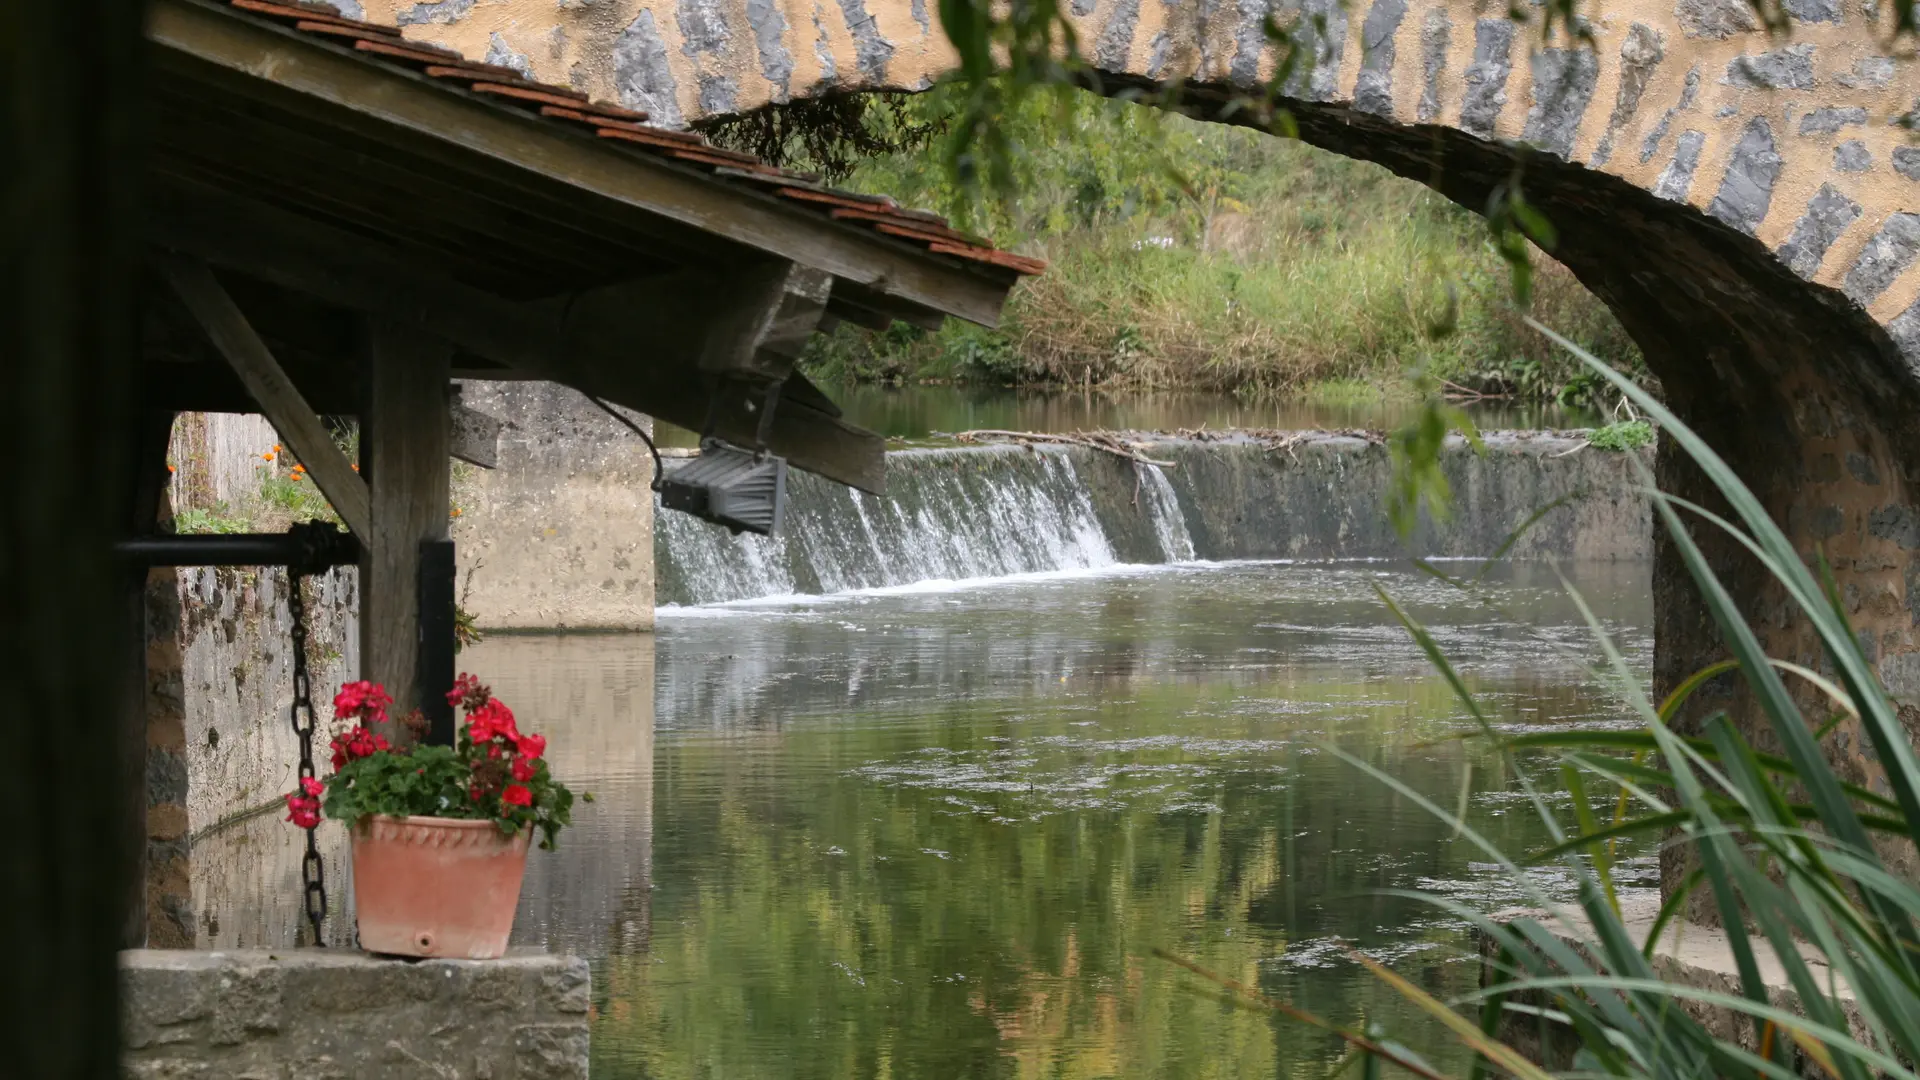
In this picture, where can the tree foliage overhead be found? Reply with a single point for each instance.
(828, 135)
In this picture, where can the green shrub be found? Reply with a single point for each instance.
(1198, 256)
(1624, 435)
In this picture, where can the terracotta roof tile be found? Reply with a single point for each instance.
(535, 92)
(625, 126)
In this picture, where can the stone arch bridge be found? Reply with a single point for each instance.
(1745, 203)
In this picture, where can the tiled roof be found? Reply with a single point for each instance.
(628, 128)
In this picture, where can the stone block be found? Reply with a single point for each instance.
(317, 1013)
(1790, 68)
(551, 1050)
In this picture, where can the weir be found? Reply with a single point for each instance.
(985, 512)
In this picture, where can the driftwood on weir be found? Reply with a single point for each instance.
(1105, 442)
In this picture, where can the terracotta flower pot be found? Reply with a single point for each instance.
(427, 886)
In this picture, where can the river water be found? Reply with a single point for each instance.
(938, 831)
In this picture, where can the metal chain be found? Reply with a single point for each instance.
(312, 871)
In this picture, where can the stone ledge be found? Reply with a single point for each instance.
(1687, 954)
(324, 1013)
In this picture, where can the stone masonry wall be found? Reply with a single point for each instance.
(330, 1015)
(560, 535)
(1788, 140)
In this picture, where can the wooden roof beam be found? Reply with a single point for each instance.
(637, 343)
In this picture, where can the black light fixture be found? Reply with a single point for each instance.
(767, 312)
(745, 490)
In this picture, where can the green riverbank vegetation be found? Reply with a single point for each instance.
(1196, 256)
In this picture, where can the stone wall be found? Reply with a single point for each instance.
(1327, 497)
(222, 749)
(560, 535)
(331, 1014)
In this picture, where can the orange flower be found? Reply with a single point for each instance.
(268, 456)
(276, 448)
(169, 468)
(356, 466)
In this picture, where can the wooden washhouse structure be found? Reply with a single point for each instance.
(340, 222)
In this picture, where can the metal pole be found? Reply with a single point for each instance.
(236, 549)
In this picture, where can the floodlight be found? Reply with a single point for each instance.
(744, 490)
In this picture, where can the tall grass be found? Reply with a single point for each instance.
(1196, 256)
(1786, 849)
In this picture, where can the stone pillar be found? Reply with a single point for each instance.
(169, 885)
(560, 536)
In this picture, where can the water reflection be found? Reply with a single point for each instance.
(916, 412)
(940, 834)
(592, 696)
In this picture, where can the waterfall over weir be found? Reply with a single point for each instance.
(987, 512)
(948, 515)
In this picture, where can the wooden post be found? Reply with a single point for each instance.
(72, 141)
(404, 446)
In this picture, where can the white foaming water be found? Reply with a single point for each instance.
(777, 603)
(953, 519)
(1169, 524)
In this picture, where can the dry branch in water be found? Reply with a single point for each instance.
(1102, 441)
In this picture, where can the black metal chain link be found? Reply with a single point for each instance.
(312, 870)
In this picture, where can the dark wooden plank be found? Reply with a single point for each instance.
(70, 138)
(458, 127)
(404, 446)
(147, 471)
(434, 676)
(269, 386)
(476, 225)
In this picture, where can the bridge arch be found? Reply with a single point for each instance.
(1748, 206)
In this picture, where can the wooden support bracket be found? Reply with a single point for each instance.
(762, 325)
(226, 325)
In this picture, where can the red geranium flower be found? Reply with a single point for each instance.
(489, 720)
(356, 743)
(517, 795)
(523, 769)
(313, 787)
(531, 746)
(468, 693)
(363, 700)
(303, 810)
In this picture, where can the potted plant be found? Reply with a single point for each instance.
(439, 833)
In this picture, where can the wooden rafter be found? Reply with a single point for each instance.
(586, 339)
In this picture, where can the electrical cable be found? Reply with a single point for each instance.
(659, 471)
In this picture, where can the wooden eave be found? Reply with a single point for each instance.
(326, 187)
